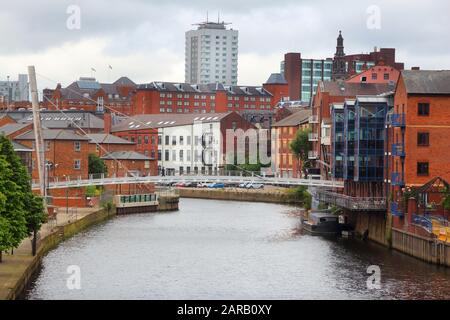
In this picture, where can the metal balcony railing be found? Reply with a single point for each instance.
(423, 222)
(398, 120)
(352, 203)
(397, 179)
(398, 150)
(313, 155)
(313, 119)
(313, 136)
(396, 211)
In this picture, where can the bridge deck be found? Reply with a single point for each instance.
(164, 180)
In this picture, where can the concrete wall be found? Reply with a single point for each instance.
(375, 223)
(239, 195)
(426, 249)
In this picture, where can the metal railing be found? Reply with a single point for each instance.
(398, 150)
(398, 120)
(78, 182)
(352, 203)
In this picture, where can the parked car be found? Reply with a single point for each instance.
(244, 185)
(216, 185)
(202, 185)
(180, 184)
(255, 186)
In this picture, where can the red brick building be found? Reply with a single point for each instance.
(380, 73)
(90, 95)
(419, 130)
(129, 163)
(168, 97)
(284, 162)
(104, 143)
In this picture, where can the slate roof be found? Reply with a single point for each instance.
(205, 88)
(341, 88)
(427, 82)
(57, 120)
(149, 121)
(295, 119)
(125, 155)
(53, 134)
(105, 138)
(10, 128)
(276, 78)
(20, 148)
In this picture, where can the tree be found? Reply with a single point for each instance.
(301, 146)
(23, 211)
(97, 165)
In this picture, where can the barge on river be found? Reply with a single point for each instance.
(322, 223)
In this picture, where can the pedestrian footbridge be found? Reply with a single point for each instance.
(165, 180)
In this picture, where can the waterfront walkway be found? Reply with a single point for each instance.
(15, 266)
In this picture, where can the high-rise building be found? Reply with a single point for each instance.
(12, 91)
(212, 54)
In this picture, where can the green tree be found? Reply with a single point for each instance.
(97, 165)
(300, 147)
(23, 210)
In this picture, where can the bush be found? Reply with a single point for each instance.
(302, 194)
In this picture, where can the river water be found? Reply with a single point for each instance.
(227, 250)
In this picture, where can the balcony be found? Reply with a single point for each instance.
(397, 179)
(398, 150)
(398, 120)
(352, 203)
(396, 211)
(313, 155)
(313, 137)
(313, 119)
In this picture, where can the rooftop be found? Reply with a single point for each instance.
(53, 134)
(10, 128)
(295, 119)
(427, 82)
(341, 88)
(149, 121)
(105, 138)
(125, 155)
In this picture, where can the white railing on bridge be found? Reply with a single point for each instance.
(70, 182)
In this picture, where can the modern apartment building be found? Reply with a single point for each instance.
(211, 54)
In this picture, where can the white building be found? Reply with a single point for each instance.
(11, 91)
(212, 54)
(187, 143)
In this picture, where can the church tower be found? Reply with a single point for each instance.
(339, 63)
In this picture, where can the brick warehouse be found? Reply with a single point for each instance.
(66, 154)
(419, 127)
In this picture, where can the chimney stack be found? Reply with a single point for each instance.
(415, 68)
(107, 122)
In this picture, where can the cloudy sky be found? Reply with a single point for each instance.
(144, 39)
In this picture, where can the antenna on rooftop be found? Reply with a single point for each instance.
(218, 16)
(207, 16)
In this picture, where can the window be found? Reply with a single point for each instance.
(77, 164)
(174, 155)
(167, 140)
(181, 140)
(386, 76)
(146, 139)
(188, 140)
(181, 155)
(47, 145)
(159, 140)
(166, 155)
(422, 168)
(77, 145)
(174, 140)
(424, 109)
(423, 139)
(159, 155)
(374, 76)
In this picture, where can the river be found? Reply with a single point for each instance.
(228, 250)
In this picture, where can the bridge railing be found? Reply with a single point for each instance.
(352, 203)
